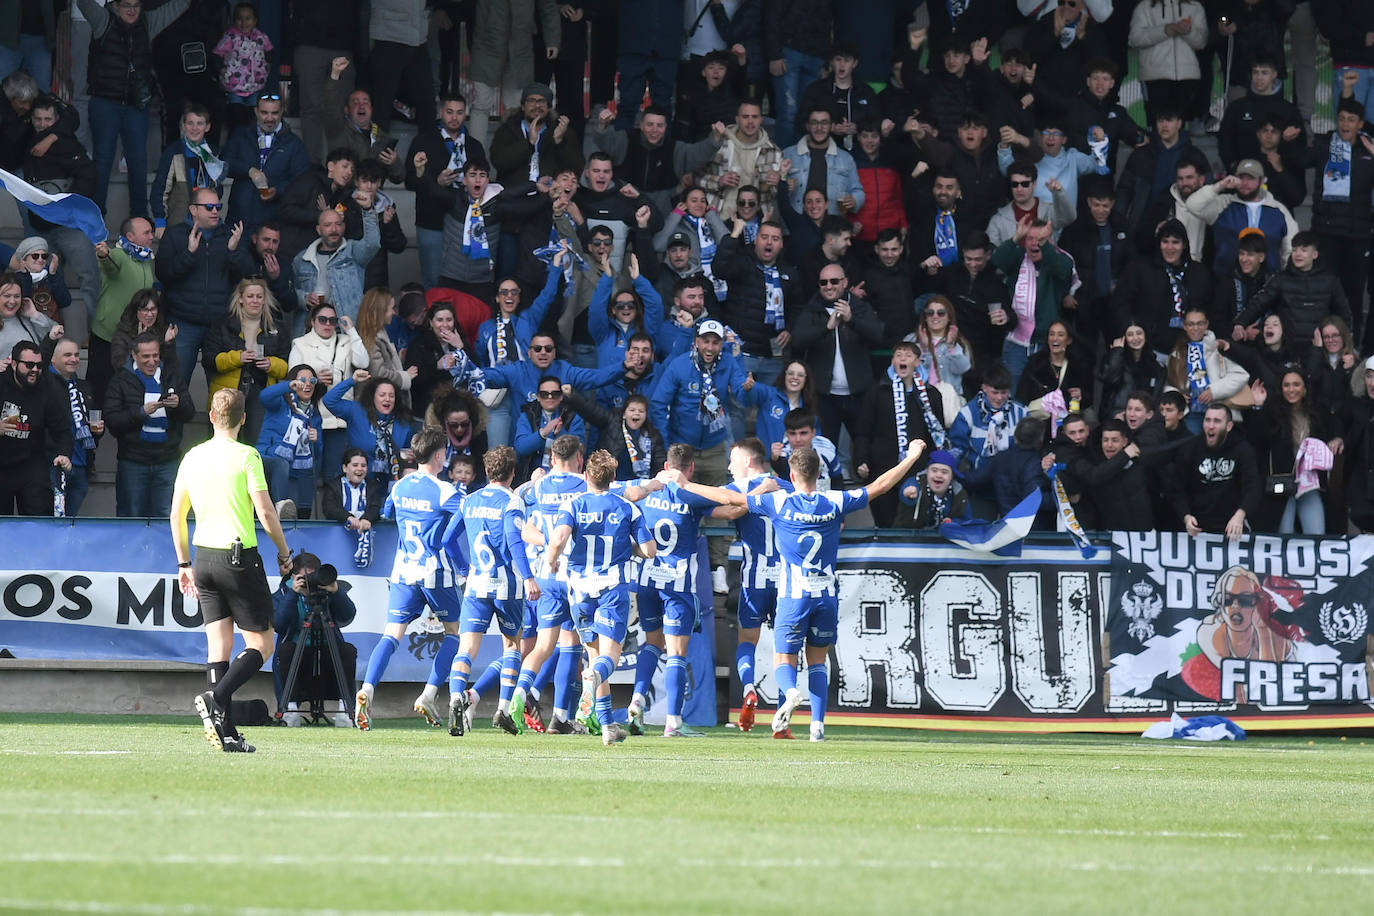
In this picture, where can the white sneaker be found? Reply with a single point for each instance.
(292, 717)
(286, 510)
(341, 720)
(783, 717)
(817, 731)
(719, 584)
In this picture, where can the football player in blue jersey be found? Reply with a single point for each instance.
(668, 611)
(544, 499)
(807, 522)
(427, 513)
(498, 578)
(601, 531)
(758, 571)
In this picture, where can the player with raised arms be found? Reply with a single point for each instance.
(808, 523)
(498, 569)
(759, 569)
(668, 610)
(601, 530)
(428, 515)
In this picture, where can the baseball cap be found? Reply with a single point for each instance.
(1250, 167)
(711, 326)
(679, 238)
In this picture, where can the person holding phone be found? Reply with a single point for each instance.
(146, 412)
(348, 123)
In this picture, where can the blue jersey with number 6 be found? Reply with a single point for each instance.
(428, 513)
(808, 536)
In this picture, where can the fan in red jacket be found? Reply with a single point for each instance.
(881, 173)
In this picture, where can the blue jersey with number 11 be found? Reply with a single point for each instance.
(808, 536)
(605, 528)
(425, 509)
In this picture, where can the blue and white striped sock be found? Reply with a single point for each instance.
(458, 675)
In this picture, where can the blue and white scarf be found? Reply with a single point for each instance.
(1175, 275)
(1198, 381)
(201, 161)
(475, 234)
(534, 154)
(457, 148)
(154, 427)
(1336, 172)
(772, 295)
(137, 252)
(946, 238)
(712, 410)
(933, 424)
(295, 446)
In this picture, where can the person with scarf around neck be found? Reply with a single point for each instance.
(627, 433)
(434, 167)
(614, 317)
(146, 313)
(188, 164)
(379, 422)
(1160, 289)
(75, 482)
(984, 425)
(248, 350)
(1197, 370)
(348, 123)
(505, 337)
(266, 156)
(333, 348)
(146, 409)
(291, 441)
(472, 228)
(895, 415)
(933, 496)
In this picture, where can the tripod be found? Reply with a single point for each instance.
(317, 621)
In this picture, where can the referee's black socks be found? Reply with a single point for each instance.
(246, 664)
(215, 672)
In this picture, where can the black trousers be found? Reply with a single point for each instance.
(838, 410)
(401, 71)
(1348, 259)
(315, 679)
(25, 490)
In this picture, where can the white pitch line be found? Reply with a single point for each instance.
(278, 813)
(191, 909)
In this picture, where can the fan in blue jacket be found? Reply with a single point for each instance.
(613, 323)
(384, 412)
(292, 437)
(519, 327)
(683, 409)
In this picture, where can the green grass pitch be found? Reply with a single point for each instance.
(124, 814)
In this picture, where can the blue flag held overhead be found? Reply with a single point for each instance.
(70, 210)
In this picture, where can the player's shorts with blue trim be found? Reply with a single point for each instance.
(813, 620)
(606, 614)
(529, 626)
(552, 607)
(407, 602)
(478, 612)
(757, 607)
(675, 613)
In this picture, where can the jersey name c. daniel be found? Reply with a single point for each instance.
(808, 536)
(425, 508)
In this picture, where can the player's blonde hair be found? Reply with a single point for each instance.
(226, 408)
(601, 468)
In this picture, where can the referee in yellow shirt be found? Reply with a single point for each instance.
(222, 481)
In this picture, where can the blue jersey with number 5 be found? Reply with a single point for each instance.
(807, 526)
(427, 512)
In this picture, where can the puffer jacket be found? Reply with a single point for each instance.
(1306, 297)
(343, 353)
(1168, 57)
(402, 21)
(224, 367)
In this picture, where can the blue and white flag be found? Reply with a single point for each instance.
(71, 210)
(1002, 537)
(1198, 728)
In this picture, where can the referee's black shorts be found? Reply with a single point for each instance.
(226, 590)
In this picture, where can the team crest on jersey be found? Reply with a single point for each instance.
(777, 411)
(694, 386)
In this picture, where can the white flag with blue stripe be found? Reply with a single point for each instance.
(1002, 537)
(71, 210)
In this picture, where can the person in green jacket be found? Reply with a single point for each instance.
(125, 268)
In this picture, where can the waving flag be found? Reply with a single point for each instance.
(71, 210)
(1002, 537)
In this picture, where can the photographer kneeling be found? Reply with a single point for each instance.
(316, 679)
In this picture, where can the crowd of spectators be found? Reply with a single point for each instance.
(839, 225)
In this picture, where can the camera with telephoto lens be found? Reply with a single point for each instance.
(320, 579)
